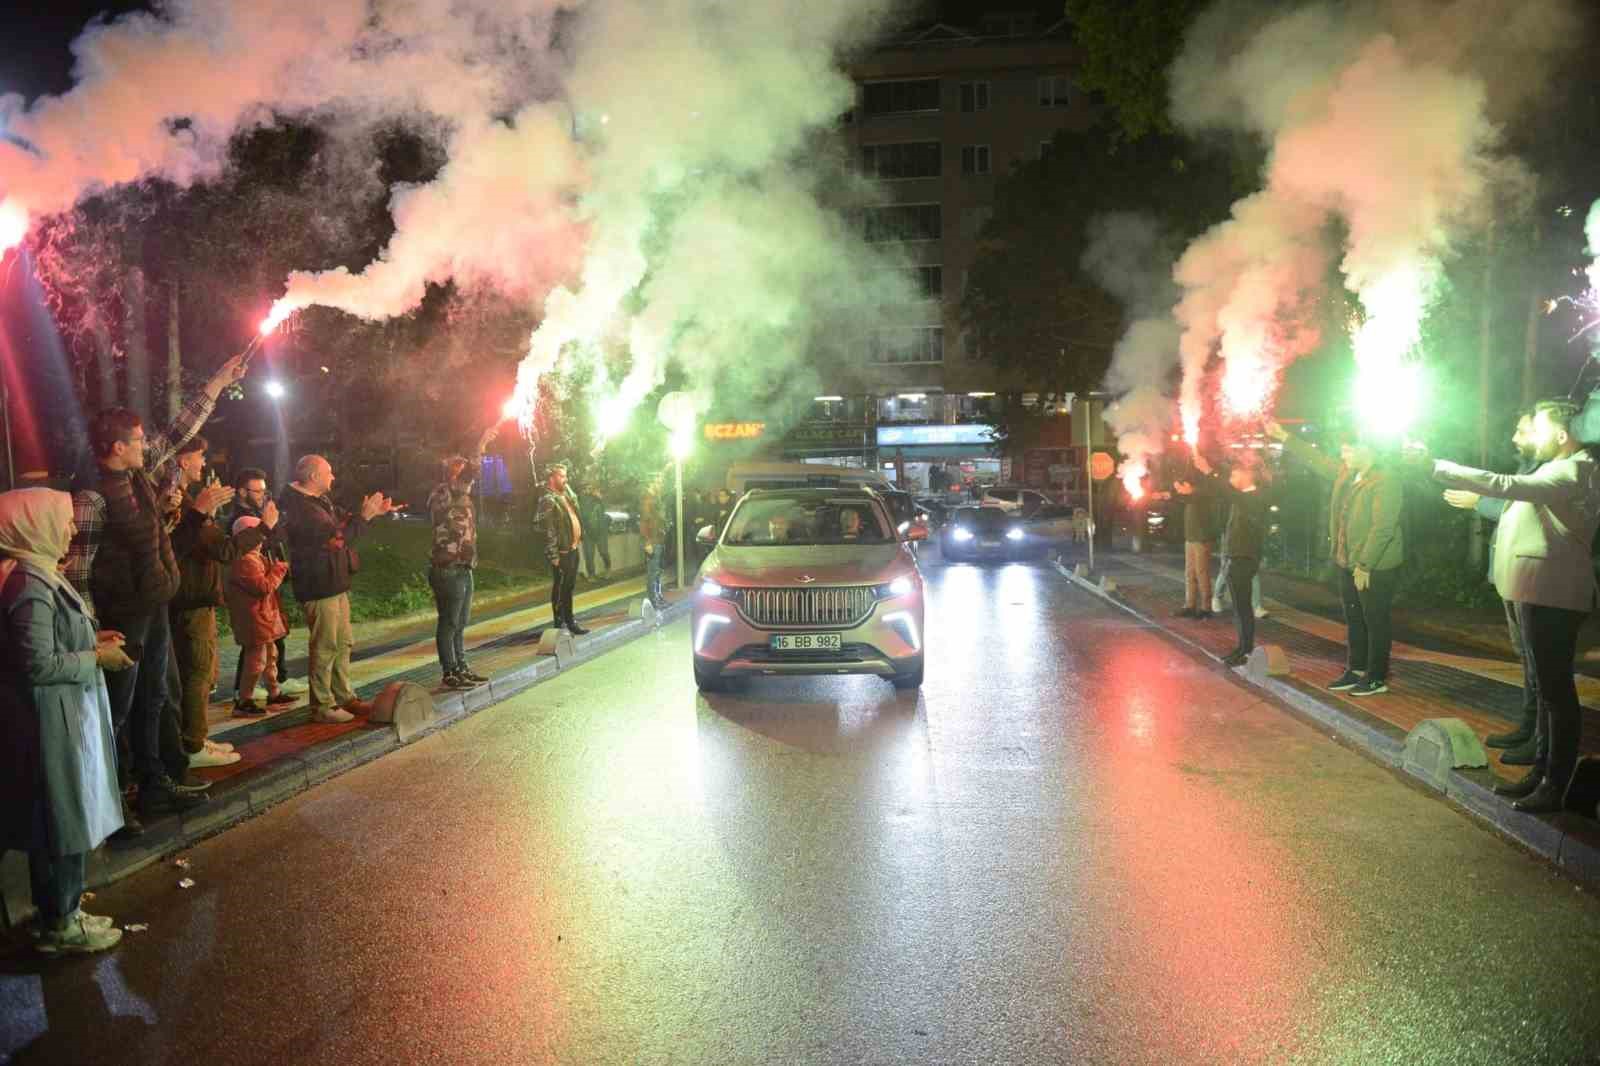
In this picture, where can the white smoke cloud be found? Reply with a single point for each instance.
(1383, 151)
(1591, 229)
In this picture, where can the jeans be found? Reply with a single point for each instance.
(1197, 575)
(563, 582)
(1551, 637)
(1368, 626)
(194, 635)
(452, 597)
(1530, 678)
(139, 694)
(332, 641)
(57, 883)
(1223, 595)
(596, 543)
(1241, 573)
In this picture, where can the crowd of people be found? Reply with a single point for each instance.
(109, 631)
(1542, 565)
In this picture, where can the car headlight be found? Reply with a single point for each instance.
(900, 586)
(1013, 534)
(711, 588)
(962, 534)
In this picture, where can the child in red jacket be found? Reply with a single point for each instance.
(257, 616)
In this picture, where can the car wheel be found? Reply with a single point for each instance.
(706, 681)
(910, 679)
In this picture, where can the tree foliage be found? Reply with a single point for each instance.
(1126, 48)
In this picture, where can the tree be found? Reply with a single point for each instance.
(1042, 318)
(1127, 47)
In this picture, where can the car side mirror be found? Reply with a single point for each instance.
(917, 531)
(707, 535)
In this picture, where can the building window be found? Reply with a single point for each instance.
(974, 96)
(916, 159)
(903, 222)
(928, 282)
(1055, 90)
(1045, 148)
(975, 159)
(908, 344)
(900, 97)
(911, 407)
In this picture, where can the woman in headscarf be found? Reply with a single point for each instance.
(58, 776)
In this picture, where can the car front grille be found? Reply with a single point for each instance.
(843, 607)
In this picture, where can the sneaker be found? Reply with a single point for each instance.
(1185, 612)
(358, 706)
(467, 672)
(131, 826)
(218, 745)
(458, 681)
(190, 783)
(199, 760)
(1370, 688)
(1217, 607)
(1262, 612)
(248, 709)
(1345, 682)
(1204, 615)
(76, 936)
(282, 699)
(292, 687)
(331, 715)
(161, 795)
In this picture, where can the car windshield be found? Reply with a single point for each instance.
(984, 518)
(794, 520)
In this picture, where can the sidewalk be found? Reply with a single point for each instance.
(285, 752)
(1434, 675)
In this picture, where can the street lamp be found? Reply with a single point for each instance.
(677, 412)
(1088, 461)
(276, 390)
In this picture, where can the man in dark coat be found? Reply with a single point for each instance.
(561, 524)
(596, 531)
(321, 562)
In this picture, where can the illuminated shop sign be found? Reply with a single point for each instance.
(970, 433)
(734, 430)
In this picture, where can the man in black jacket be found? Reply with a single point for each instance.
(560, 522)
(254, 500)
(321, 561)
(1246, 535)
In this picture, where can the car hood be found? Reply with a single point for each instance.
(852, 564)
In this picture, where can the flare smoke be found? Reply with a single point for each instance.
(637, 173)
(1382, 123)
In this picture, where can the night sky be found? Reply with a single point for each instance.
(33, 48)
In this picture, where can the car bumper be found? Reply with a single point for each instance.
(977, 550)
(888, 643)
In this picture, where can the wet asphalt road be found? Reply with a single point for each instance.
(1077, 845)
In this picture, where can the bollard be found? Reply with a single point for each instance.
(643, 610)
(406, 706)
(1267, 660)
(558, 642)
(1108, 585)
(1081, 572)
(1438, 745)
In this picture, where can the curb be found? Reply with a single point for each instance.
(297, 773)
(1575, 855)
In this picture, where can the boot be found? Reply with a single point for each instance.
(131, 826)
(1522, 786)
(161, 795)
(1548, 798)
(1524, 754)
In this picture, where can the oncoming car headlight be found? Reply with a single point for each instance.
(1013, 534)
(962, 534)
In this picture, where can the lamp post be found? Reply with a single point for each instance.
(676, 411)
(1088, 463)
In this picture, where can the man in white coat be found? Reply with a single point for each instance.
(1542, 565)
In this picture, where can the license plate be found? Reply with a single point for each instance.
(989, 543)
(805, 642)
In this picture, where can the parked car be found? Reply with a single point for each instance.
(809, 581)
(1015, 499)
(976, 534)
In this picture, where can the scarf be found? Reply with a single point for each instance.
(35, 528)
